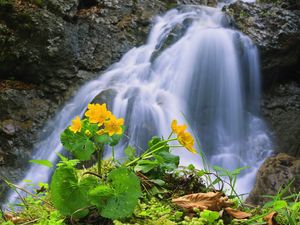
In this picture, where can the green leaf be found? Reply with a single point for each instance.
(78, 144)
(238, 170)
(127, 191)
(116, 138)
(217, 180)
(279, 204)
(154, 140)
(158, 182)
(68, 193)
(201, 173)
(210, 216)
(102, 139)
(86, 125)
(296, 206)
(191, 167)
(158, 142)
(99, 195)
(218, 168)
(158, 190)
(130, 152)
(170, 162)
(146, 165)
(42, 162)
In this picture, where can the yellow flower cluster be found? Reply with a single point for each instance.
(104, 118)
(76, 125)
(184, 137)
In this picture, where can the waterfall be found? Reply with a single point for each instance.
(193, 66)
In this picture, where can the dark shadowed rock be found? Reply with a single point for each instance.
(276, 32)
(281, 108)
(276, 172)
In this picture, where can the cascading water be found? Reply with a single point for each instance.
(193, 66)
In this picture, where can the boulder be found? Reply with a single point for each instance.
(275, 173)
(281, 109)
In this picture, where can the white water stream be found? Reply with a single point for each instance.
(192, 64)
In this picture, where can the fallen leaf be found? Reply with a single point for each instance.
(15, 219)
(214, 201)
(237, 214)
(270, 218)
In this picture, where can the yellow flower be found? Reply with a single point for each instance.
(113, 126)
(100, 132)
(97, 113)
(187, 141)
(87, 133)
(76, 125)
(177, 128)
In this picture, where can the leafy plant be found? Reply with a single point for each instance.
(68, 192)
(113, 188)
(99, 128)
(230, 175)
(210, 216)
(122, 197)
(72, 195)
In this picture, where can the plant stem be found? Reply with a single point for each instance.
(3, 214)
(24, 190)
(148, 154)
(100, 152)
(113, 153)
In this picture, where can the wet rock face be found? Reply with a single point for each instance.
(275, 28)
(275, 172)
(281, 109)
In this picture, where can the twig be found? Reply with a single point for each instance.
(14, 187)
(24, 190)
(92, 173)
(78, 210)
(29, 222)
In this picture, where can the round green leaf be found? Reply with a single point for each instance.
(68, 193)
(127, 191)
(279, 204)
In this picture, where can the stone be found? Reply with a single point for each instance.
(281, 109)
(276, 172)
(8, 127)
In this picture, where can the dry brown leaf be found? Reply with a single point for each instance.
(214, 201)
(270, 218)
(15, 219)
(237, 214)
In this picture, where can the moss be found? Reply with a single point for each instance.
(6, 6)
(39, 3)
(170, 4)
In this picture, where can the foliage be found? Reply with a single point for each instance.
(5, 2)
(42, 162)
(36, 208)
(69, 194)
(112, 189)
(157, 160)
(123, 195)
(230, 175)
(39, 3)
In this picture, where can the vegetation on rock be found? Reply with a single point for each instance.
(142, 189)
